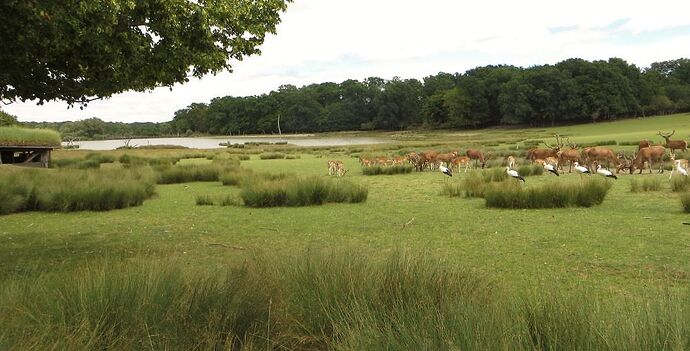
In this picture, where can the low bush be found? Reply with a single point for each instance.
(294, 191)
(530, 170)
(553, 195)
(193, 173)
(387, 170)
(646, 184)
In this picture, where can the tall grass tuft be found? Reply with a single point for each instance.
(679, 184)
(74, 190)
(193, 173)
(387, 170)
(530, 170)
(272, 156)
(646, 184)
(685, 202)
(553, 195)
(301, 192)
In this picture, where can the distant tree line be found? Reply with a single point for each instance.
(572, 91)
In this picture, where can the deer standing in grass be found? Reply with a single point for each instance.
(674, 145)
(476, 155)
(552, 151)
(679, 165)
(649, 154)
(598, 153)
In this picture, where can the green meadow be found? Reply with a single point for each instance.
(406, 267)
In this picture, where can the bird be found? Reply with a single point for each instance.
(514, 174)
(445, 170)
(605, 172)
(551, 168)
(581, 170)
(680, 169)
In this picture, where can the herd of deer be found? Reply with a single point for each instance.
(555, 155)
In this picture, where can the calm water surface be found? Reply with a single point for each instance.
(212, 143)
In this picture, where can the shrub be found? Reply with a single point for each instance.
(301, 192)
(685, 202)
(553, 195)
(204, 200)
(387, 170)
(679, 184)
(272, 156)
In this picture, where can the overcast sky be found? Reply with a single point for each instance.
(334, 40)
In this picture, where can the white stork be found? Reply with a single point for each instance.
(445, 170)
(514, 174)
(605, 172)
(551, 168)
(581, 170)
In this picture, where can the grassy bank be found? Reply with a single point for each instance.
(15, 136)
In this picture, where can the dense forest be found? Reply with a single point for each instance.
(571, 91)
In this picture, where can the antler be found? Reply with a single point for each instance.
(572, 145)
(666, 135)
(558, 143)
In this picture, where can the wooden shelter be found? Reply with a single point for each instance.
(31, 156)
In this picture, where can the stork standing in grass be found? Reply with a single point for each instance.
(514, 174)
(605, 172)
(549, 167)
(447, 171)
(581, 170)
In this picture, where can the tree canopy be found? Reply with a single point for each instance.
(78, 50)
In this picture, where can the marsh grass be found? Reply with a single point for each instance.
(15, 136)
(293, 191)
(685, 202)
(646, 184)
(552, 195)
(324, 300)
(74, 190)
(272, 156)
(530, 170)
(387, 170)
(680, 183)
(194, 173)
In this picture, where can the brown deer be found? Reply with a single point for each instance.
(643, 144)
(428, 158)
(571, 155)
(552, 151)
(476, 155)
(598, 153)
(447, 158)
(674, 144)
(460, 161)
(649, 154)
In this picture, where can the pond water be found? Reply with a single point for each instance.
(212, 143)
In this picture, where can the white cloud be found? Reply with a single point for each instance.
(334, 40)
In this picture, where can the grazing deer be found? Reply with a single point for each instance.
(340, 168)
(539, 161)
(679, 165)
(591, 154)
(649, 154)
(569, 156)
(416, 160)
(674, 144)
(552, 151)
(429, 159)
(447, 158)
(551, 161)
(476, 155)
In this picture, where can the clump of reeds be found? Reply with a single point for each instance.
(193, 173)
(680, 183)
(530, 170)
(588, 193)
(74, 190)
(685, 202)
(218, 200)
(272, 156)
(646, 184)
(293, 191)
(387, 170)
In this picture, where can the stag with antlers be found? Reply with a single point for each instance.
(674, 144)
(649, 154)
(599, 154)
(552, 151)
(571, 156)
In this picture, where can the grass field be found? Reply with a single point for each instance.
(612, 276)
